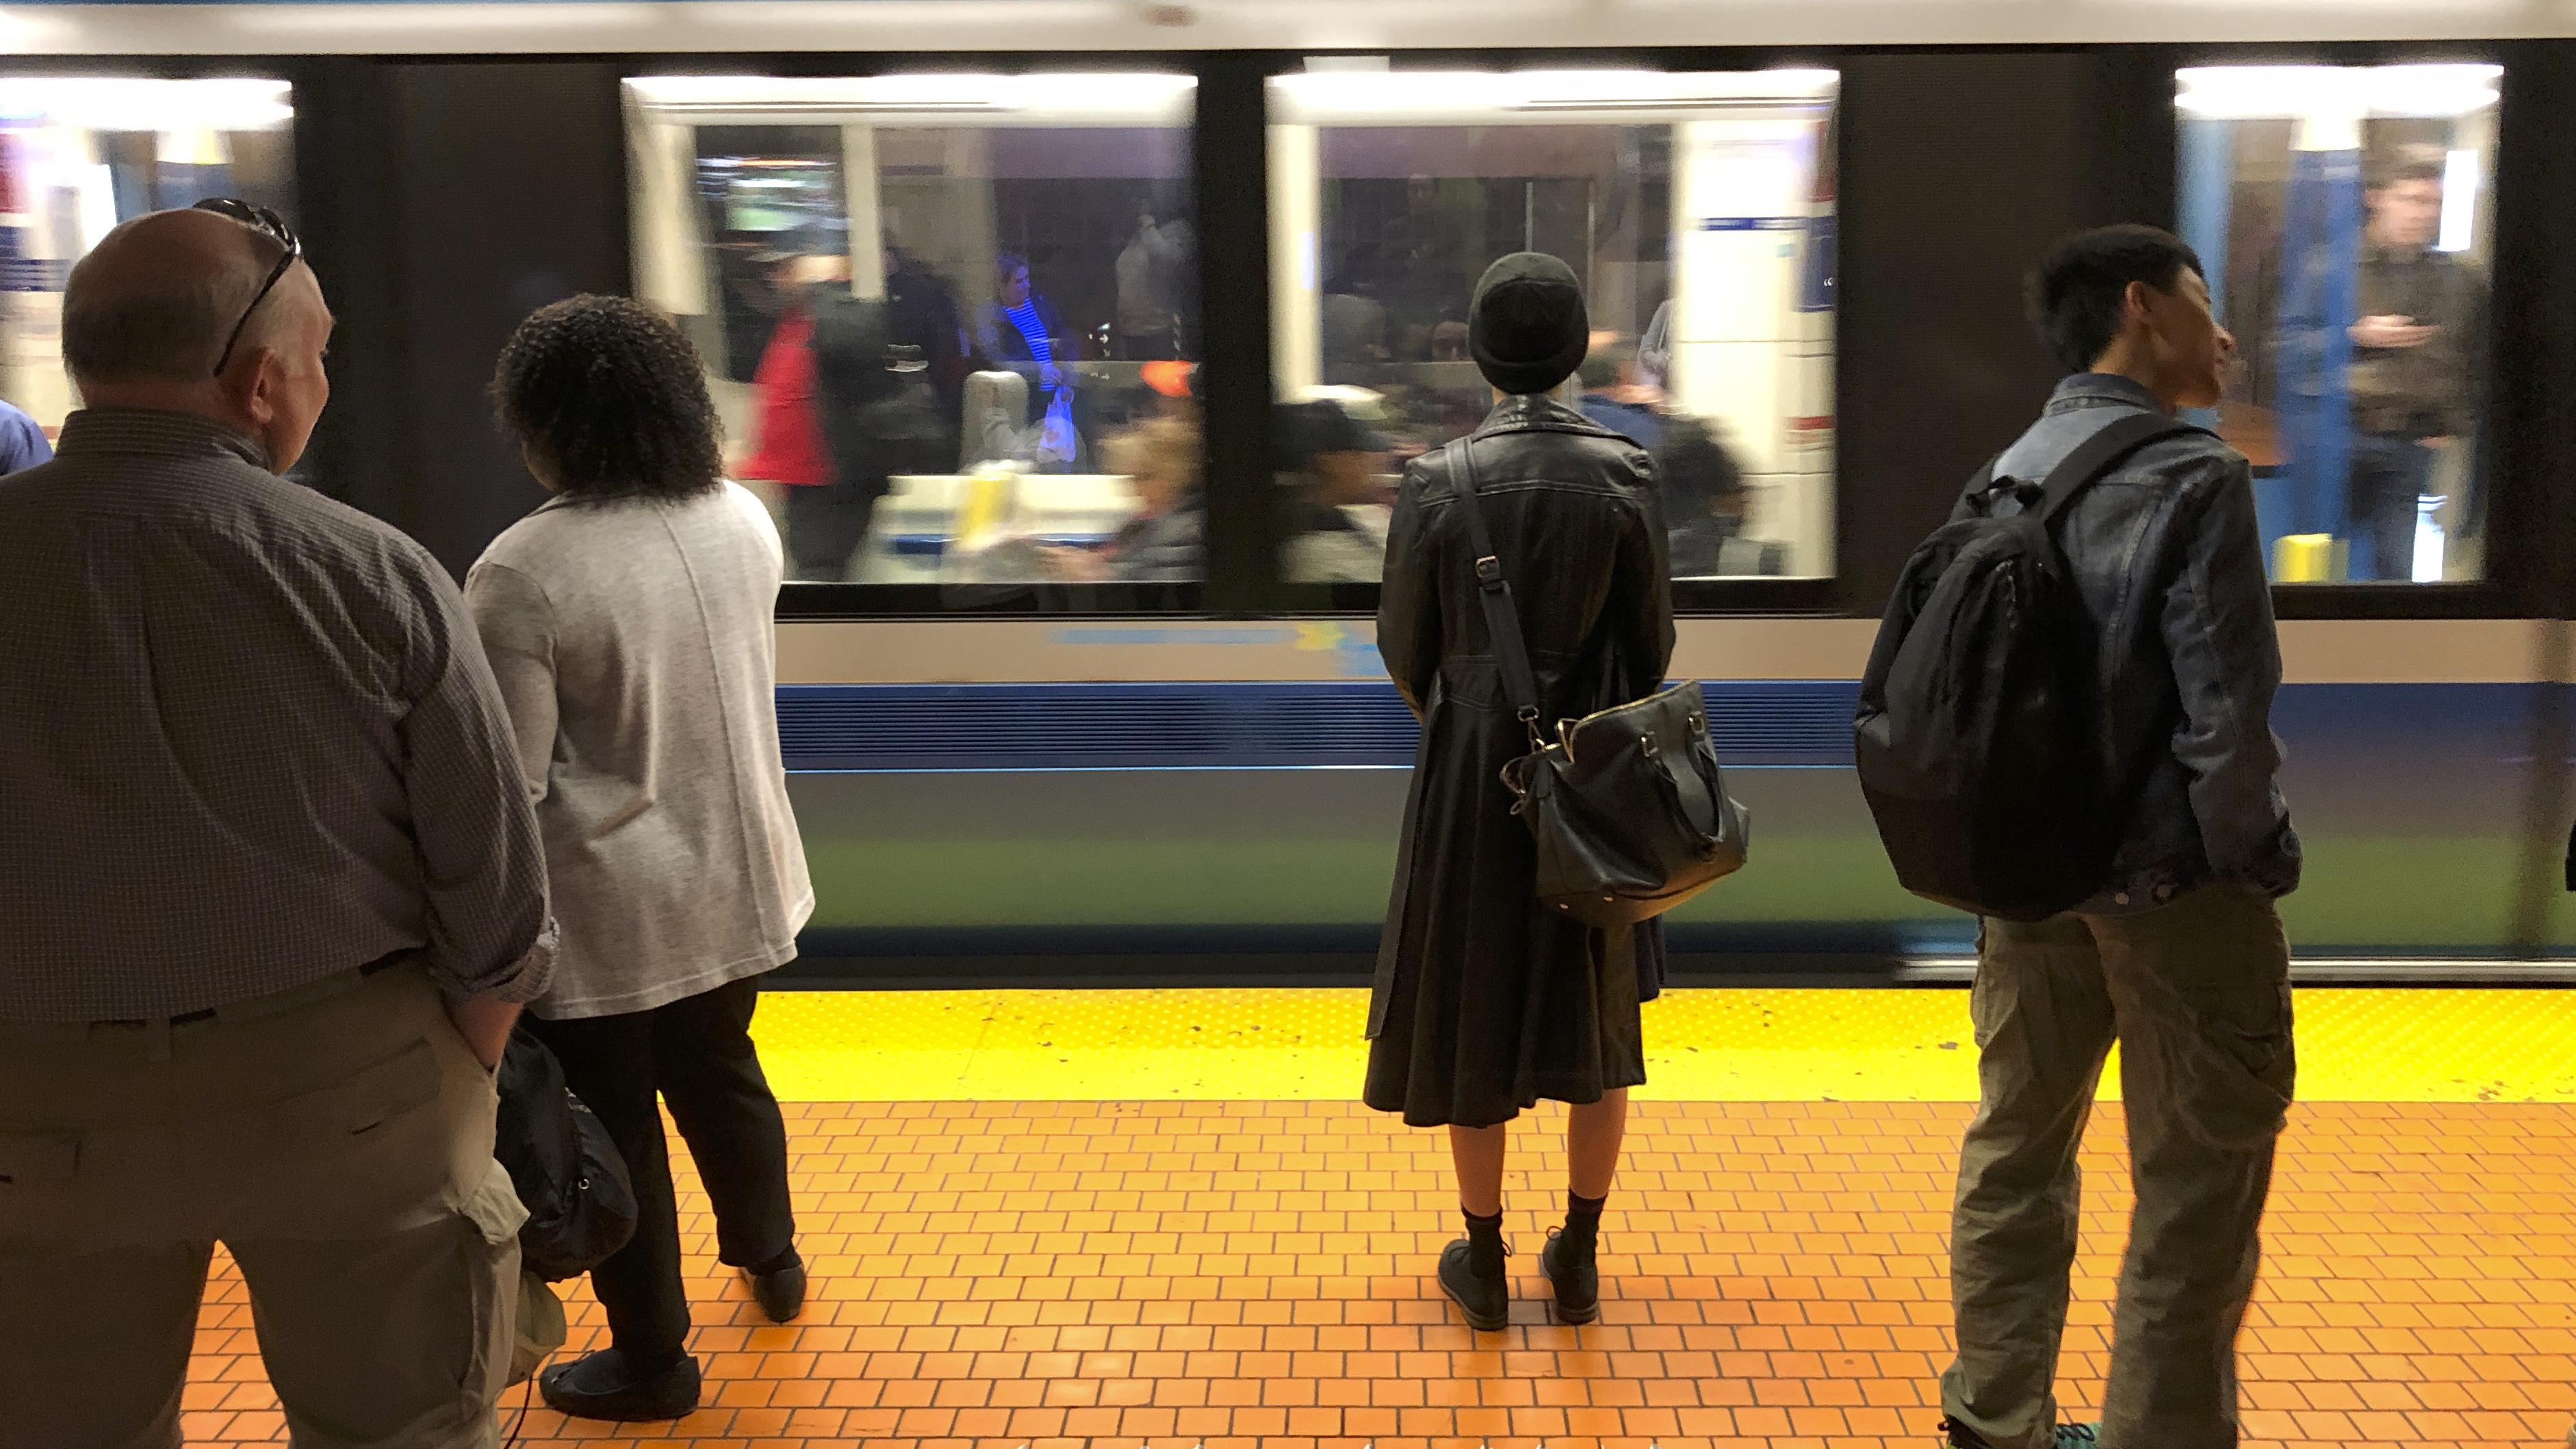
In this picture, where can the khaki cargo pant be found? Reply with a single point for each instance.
(336, 1139)
(2197, 993)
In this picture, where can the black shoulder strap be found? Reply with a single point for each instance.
(1502, 616)
(1984, 481)
(2099, 453)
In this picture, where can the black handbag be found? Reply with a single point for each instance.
(1627, 806)
(568, 1174)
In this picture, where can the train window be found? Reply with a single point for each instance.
(2344, 217)
(1698, 210)
(950, 320)
(78, 154)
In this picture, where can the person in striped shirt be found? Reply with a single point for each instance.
(1021, 331)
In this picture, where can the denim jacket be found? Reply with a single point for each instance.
(2170, 566)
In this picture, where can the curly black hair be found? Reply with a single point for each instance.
(609, 397)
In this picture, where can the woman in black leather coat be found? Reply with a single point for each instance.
(1485, 1002)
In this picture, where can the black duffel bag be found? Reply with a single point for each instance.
(568, 1174)
(1626, 806)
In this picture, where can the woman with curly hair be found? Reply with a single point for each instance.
(628, 620)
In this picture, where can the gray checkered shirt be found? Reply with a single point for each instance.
(247, 740)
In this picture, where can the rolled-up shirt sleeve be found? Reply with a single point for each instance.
(482, 864)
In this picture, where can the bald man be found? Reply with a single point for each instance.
(269, 889)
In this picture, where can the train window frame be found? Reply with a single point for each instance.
(1824, 595)
(814, 601)
(2247, 114)
(2522, 486)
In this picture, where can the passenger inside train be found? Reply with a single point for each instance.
(1335, 468)
(1164, 540)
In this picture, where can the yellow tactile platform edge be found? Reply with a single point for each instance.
(2355, 1045)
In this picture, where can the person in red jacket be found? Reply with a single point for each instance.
(788, 446)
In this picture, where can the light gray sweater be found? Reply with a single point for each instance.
(634, 644)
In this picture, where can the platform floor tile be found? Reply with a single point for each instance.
(1254, 1275)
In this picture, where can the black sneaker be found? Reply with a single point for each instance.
(1574, 1276)
(2068, 1436)
(601, 1386)
(780, 1292)
(1487, 1301)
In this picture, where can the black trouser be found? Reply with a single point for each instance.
(826, 523)
(696, 1054)
(2389, 472)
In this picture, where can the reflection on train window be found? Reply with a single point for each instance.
(2345, 219)
(1698, 210)
(78, 154)
(950, 320)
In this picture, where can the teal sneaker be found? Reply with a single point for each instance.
(2068, 1436)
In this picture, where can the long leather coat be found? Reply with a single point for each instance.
(1485, 1002)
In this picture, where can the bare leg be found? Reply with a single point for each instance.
(1477, 1153)
(1592, 1136)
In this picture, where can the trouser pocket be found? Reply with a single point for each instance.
(490, 1215)
(2235, 1079)
(2206, 988)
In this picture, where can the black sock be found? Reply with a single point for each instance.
(1485, 1241)
(1583, 1218)
(779, 1264)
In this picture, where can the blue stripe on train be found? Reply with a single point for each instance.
(1185, 725)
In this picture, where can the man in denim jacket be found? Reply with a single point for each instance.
(2179, 956)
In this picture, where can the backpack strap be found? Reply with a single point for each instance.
(2100, 453)
(1984, 481)
(1502, 616)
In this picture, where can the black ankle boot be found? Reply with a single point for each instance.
(1471, 1273)
(603, 1385)
(1567, 1260)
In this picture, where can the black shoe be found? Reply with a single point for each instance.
(2068, 1436)
(780, 1291)
(1571, 1272)
(601, 1386)
(1486, 1299)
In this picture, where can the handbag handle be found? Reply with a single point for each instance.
(1502, 615)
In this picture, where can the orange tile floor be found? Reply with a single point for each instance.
(998, 1274)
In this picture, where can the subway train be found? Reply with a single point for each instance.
(1132, 252)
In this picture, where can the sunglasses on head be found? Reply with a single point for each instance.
(269, 224)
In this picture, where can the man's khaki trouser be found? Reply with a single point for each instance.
(337, 1139)
(2197, 993)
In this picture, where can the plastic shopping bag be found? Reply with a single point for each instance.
(1058, 443)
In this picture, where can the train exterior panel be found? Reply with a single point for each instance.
(1245, 828)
